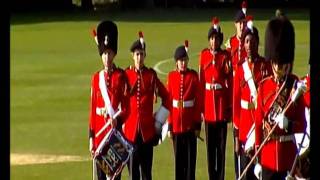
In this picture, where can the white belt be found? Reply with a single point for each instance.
(284, 138)
(101, 111)
(182, 104)
(247, 105)
(215, 86)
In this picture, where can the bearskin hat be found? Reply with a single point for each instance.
(107, 36)
(280, 41)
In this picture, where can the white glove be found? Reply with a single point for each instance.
(282, 121)
(257, 170)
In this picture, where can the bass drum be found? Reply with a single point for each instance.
(302, 170)
(113, 153)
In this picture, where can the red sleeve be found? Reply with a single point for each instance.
(92, 109)
(228, 82)
(202, 82)
(297, 116)
(163, 93)
(125, 99)
(259, 114)
(198, 100)
(170, 102)
(236, 99)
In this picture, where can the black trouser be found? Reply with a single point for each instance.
(268, 174)
(185, 152)
(140, 164)
(235, 156)
(244, 161)
(102, 176)
(216, 136)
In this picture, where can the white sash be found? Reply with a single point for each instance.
(250, 142)
(103, 89)
(110, 110)
(249, 79)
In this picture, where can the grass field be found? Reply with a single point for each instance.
(53, 57)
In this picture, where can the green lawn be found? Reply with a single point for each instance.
(53, 56)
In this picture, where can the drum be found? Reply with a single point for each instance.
(303, 162)
(304, 141)
(113, 153)
(161, 123)
(302, 170)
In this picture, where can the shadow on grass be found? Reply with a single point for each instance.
(154, 15)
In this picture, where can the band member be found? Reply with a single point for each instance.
(215, 68)
(139, 128)
(250, 71)
(279, 108)
(108, 91)
(237, 52)
(184, 118)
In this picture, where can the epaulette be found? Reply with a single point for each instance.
(304, 77)
(266, 78)
(262, 58)
(153, 71)
(193, 72)
(241, 62)
(120, 70)
(97, 72)
(205, 49)
(225, 52)
(129, 67)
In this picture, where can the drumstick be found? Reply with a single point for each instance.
(108, 123)
(94, 170)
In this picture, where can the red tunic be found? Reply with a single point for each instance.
(185, 98)
(116, 88)
(215, 83)
(144, 86)
(276, 155)
(235, 48)
(244, 105)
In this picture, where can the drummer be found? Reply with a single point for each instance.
(108, 91)
(278, 153)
